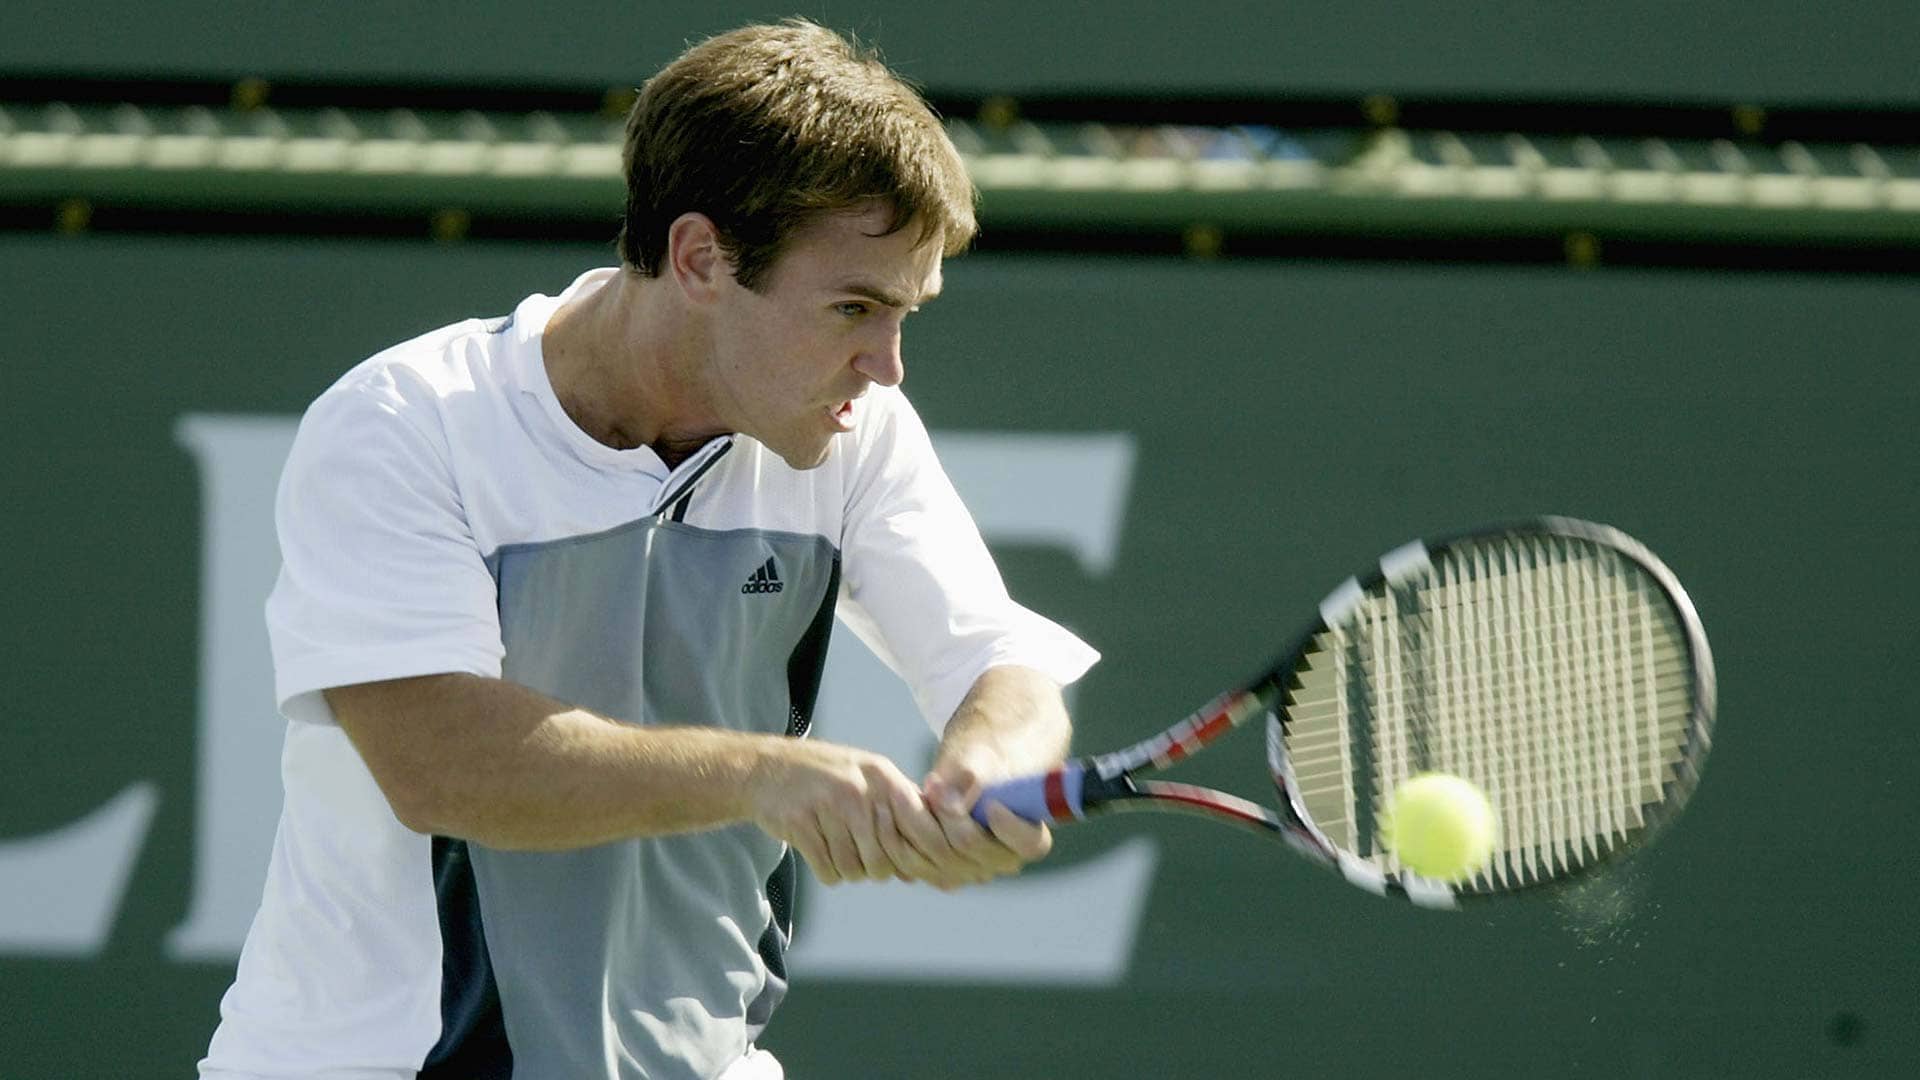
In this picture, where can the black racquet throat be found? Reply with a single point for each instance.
(1555, 663)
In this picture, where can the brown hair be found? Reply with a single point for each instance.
(765, 128)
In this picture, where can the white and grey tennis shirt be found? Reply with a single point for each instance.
(440, 513)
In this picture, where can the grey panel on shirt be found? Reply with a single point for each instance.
(643, 958)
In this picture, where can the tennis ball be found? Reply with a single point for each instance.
(1440, 826)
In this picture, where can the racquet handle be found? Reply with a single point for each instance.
(1044, 797)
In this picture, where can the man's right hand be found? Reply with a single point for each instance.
(854, 816)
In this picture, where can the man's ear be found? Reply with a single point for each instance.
(695, 259)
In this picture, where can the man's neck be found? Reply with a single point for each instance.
(613, 360)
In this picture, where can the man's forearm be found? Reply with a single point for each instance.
(494, 762)
(488, 760)
(1011, 723)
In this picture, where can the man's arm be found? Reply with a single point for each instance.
(1011, 723)
(491, 761)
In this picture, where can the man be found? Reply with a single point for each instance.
(556, 594)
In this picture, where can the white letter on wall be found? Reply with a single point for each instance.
(63, 888)
(1071, 925)
(239, 458)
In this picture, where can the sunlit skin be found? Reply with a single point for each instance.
(676, 360)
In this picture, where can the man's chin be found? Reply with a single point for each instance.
(807, 457)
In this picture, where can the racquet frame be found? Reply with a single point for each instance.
(1092, 785)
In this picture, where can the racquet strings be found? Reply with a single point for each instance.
(1551, 671)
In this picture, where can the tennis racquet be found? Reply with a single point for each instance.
(1556, 663)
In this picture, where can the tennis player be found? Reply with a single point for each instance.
(556, 594)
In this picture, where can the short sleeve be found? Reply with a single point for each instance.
(919, 586)
(380, 576)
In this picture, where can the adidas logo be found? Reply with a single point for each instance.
(764, 580)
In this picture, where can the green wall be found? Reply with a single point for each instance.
(1723, 52)
(1291, 420)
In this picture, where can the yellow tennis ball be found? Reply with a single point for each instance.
(1440, 826)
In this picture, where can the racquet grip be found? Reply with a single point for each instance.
(1045, 797)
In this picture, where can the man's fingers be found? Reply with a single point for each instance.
(942, 794)
(919, 827)
(876, 865)
(977, 855)
(1028, 840)
(813, 848)
(909, 862)
(841, 849)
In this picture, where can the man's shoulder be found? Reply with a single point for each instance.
(446, 360)
(420, 389)
(481, 356)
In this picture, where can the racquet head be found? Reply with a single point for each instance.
(1557, 664)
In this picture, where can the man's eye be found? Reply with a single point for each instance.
(851, 309)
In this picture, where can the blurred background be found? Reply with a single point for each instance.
(1261, 290)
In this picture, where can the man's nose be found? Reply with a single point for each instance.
(881, 361)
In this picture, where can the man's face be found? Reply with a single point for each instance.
(791, 361)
